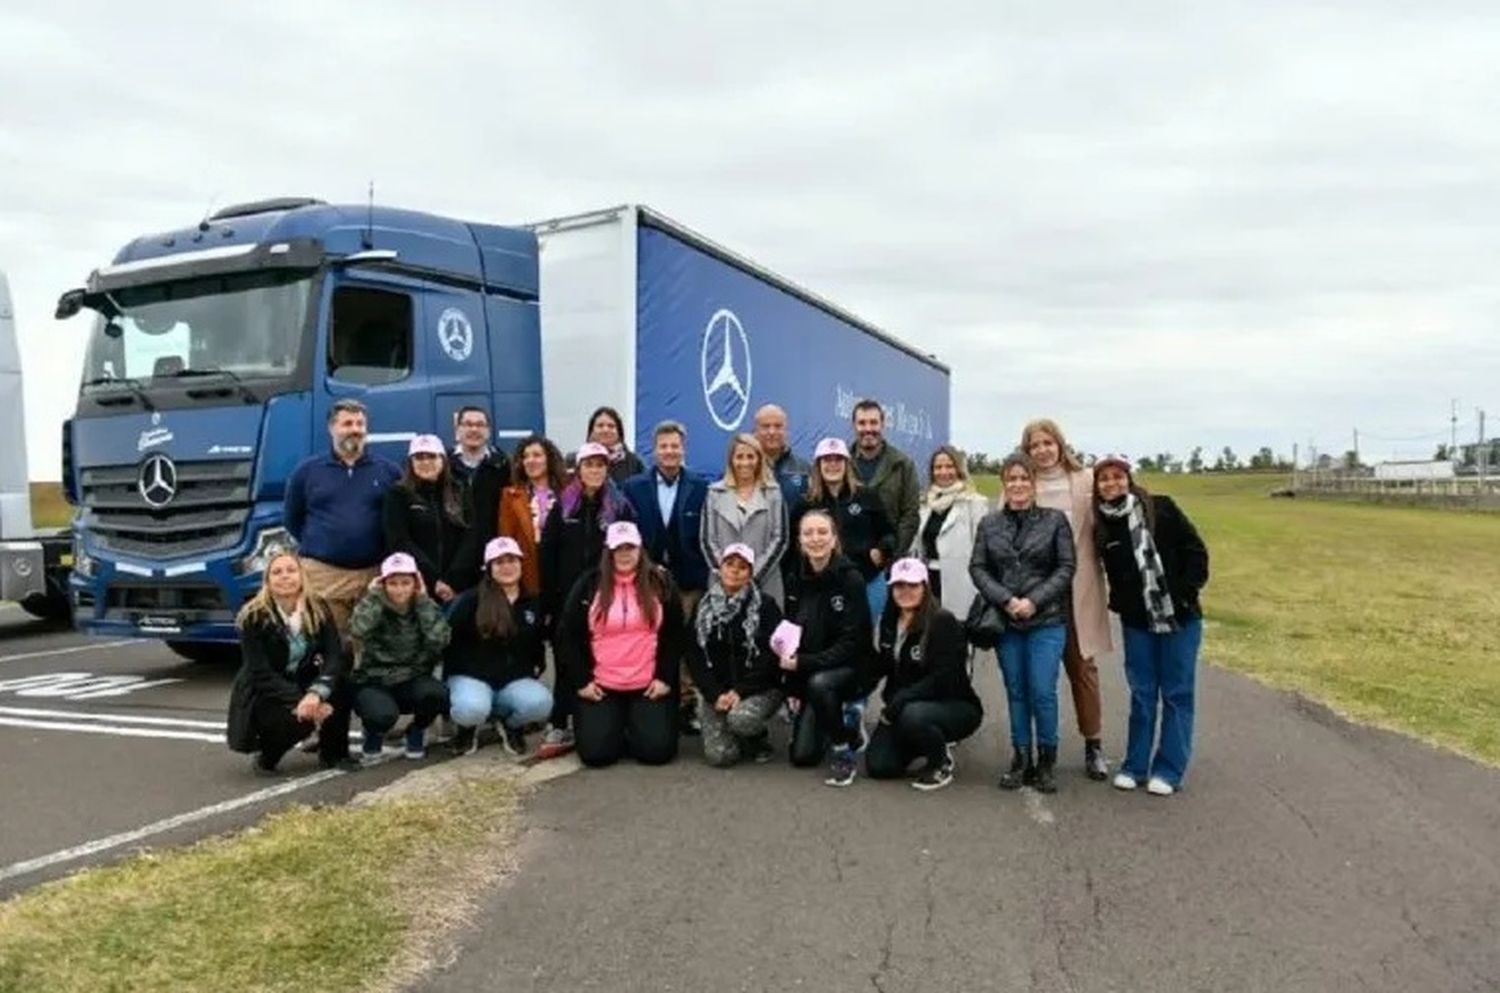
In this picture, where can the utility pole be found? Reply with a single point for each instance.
(1481, 451)
(1453, 432)
(1356, 449)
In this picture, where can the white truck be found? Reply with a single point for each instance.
(33, 564)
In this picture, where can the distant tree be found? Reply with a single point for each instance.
(1164, 461)
(1350, 461)
(1227, 460)
(1147, 464)
(1325, 462)
(978, 463)
(1263, 459)
(1442, 454)
(1195, 460)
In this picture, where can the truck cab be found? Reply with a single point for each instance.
(214, 356)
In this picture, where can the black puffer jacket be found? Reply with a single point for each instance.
(930, 667)
(1029, 554)
(496, 661)
(862, 522)
(1183, 556)
(572, 545)
(726, 663)
(416, 523)
(831, 608)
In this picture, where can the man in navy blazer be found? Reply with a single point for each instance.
(668, 503)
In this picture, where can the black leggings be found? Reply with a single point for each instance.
(379, 707)
(626, 724)
(920, 731)
(820, 722)
(279, 730)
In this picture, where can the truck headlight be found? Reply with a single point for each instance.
(267, 543)
(83, 563)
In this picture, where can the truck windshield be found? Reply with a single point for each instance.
(249, 325)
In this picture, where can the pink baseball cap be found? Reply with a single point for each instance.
(831, 446)
(399, 564)
(911, 571)
(741, 549)
(426, 444)
(497, 547)
(622, 533)
(591, 450)
(1120, 461)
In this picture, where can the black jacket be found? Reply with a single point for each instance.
(574, 642)
(264, 653)
(482, 484)
(725, 663)
(834, 615)
(862, 522)
(938, 670)
(1025, 554)
(1183, 556)
(496, 661)
(416, 523)
(571, 546)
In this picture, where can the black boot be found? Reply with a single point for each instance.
(1020, 770)
(1093, 760)
(1046, 762)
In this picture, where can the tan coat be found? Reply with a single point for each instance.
(1090, 600)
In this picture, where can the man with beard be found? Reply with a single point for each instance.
(334, 507)
(893, 476)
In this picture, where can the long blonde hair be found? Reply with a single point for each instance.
(817, 489)
(261, 608)
(749, 441)
(1065, 455)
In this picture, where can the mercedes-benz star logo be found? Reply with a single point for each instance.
(158, 481)
(726, 369)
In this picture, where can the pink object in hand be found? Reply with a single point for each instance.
(786, 639)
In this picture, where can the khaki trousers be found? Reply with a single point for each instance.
(340, 588)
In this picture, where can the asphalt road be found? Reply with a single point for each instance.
(1306, 854)
(109, 747)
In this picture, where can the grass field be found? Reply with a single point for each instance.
(1389, 615)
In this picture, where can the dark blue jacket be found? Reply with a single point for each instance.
(336, 512)
(672, 543)
(792, 475)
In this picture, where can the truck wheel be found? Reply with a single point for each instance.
(207, 652)
(48, 608)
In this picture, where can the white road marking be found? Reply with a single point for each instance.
(83, 715)
(114, 729)
(80, 685)
(93, 646)
(1036, 809)
(168, 824)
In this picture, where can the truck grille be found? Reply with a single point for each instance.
(207, 513)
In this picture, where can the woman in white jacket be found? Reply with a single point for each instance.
(951, 512)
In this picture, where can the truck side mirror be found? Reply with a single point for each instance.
(69, 304)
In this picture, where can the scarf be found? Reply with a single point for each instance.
(542, 499)
(609, 503)
(1147, 562)
(296, 640)
(717, 609)
(617, 453)
(941, 498)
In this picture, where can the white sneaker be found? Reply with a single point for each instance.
(1159, 787)
(1123, 781)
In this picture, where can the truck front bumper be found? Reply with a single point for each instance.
(122, 600)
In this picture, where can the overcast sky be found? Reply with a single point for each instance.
(1165, 225)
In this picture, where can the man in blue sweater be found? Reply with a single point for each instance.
(334, 510)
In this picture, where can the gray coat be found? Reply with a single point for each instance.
(1029, 554)
(762, 526)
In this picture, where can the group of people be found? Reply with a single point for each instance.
(674, 604)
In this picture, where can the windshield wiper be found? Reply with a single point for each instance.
(212, 370)
(133, 385)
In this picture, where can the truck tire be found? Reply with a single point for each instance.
(47, 607)
(207, 652)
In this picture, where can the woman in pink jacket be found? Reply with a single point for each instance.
(1063, 483)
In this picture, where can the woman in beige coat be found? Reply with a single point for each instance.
(949, 522)
(1063, 483)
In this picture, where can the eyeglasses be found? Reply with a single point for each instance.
(473, 424)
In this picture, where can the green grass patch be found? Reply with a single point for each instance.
(48, 507)
(312, 901)
(1391, 615)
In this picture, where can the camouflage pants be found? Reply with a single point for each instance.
(723, 734)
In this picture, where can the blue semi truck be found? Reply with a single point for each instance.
(217, 350)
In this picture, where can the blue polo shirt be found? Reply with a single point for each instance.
(335, 511)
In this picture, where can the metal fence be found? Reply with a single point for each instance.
(1464, 492)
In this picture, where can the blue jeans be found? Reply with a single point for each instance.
(876, 593)
(471, 702)
(1161, 669)
(1029, 664)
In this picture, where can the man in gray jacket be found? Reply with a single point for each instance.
(889, 470)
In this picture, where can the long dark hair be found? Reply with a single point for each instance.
(613, 415)
(1141, 493)
(921, 620)
(494, 616)
(650, 587)
(453, 499)
(557, 469)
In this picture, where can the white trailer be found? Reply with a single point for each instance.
(1412, 471)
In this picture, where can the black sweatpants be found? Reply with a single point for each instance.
(626, 724)
(820, 722)
(379, 707)
(279, 730)
(920, 731)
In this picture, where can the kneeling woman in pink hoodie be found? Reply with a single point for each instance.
(620, 638)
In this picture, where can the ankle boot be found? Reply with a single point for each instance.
(1046, 761)
(1020, 770)
(1094, 762)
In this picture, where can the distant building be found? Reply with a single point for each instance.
(1415, 470)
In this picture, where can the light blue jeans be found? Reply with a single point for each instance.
(471, 702)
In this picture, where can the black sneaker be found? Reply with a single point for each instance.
(465, 741)
(261, 769)
(934, 778)
(843, 768)
(760, 749)
(513, 740)
(345, 763)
